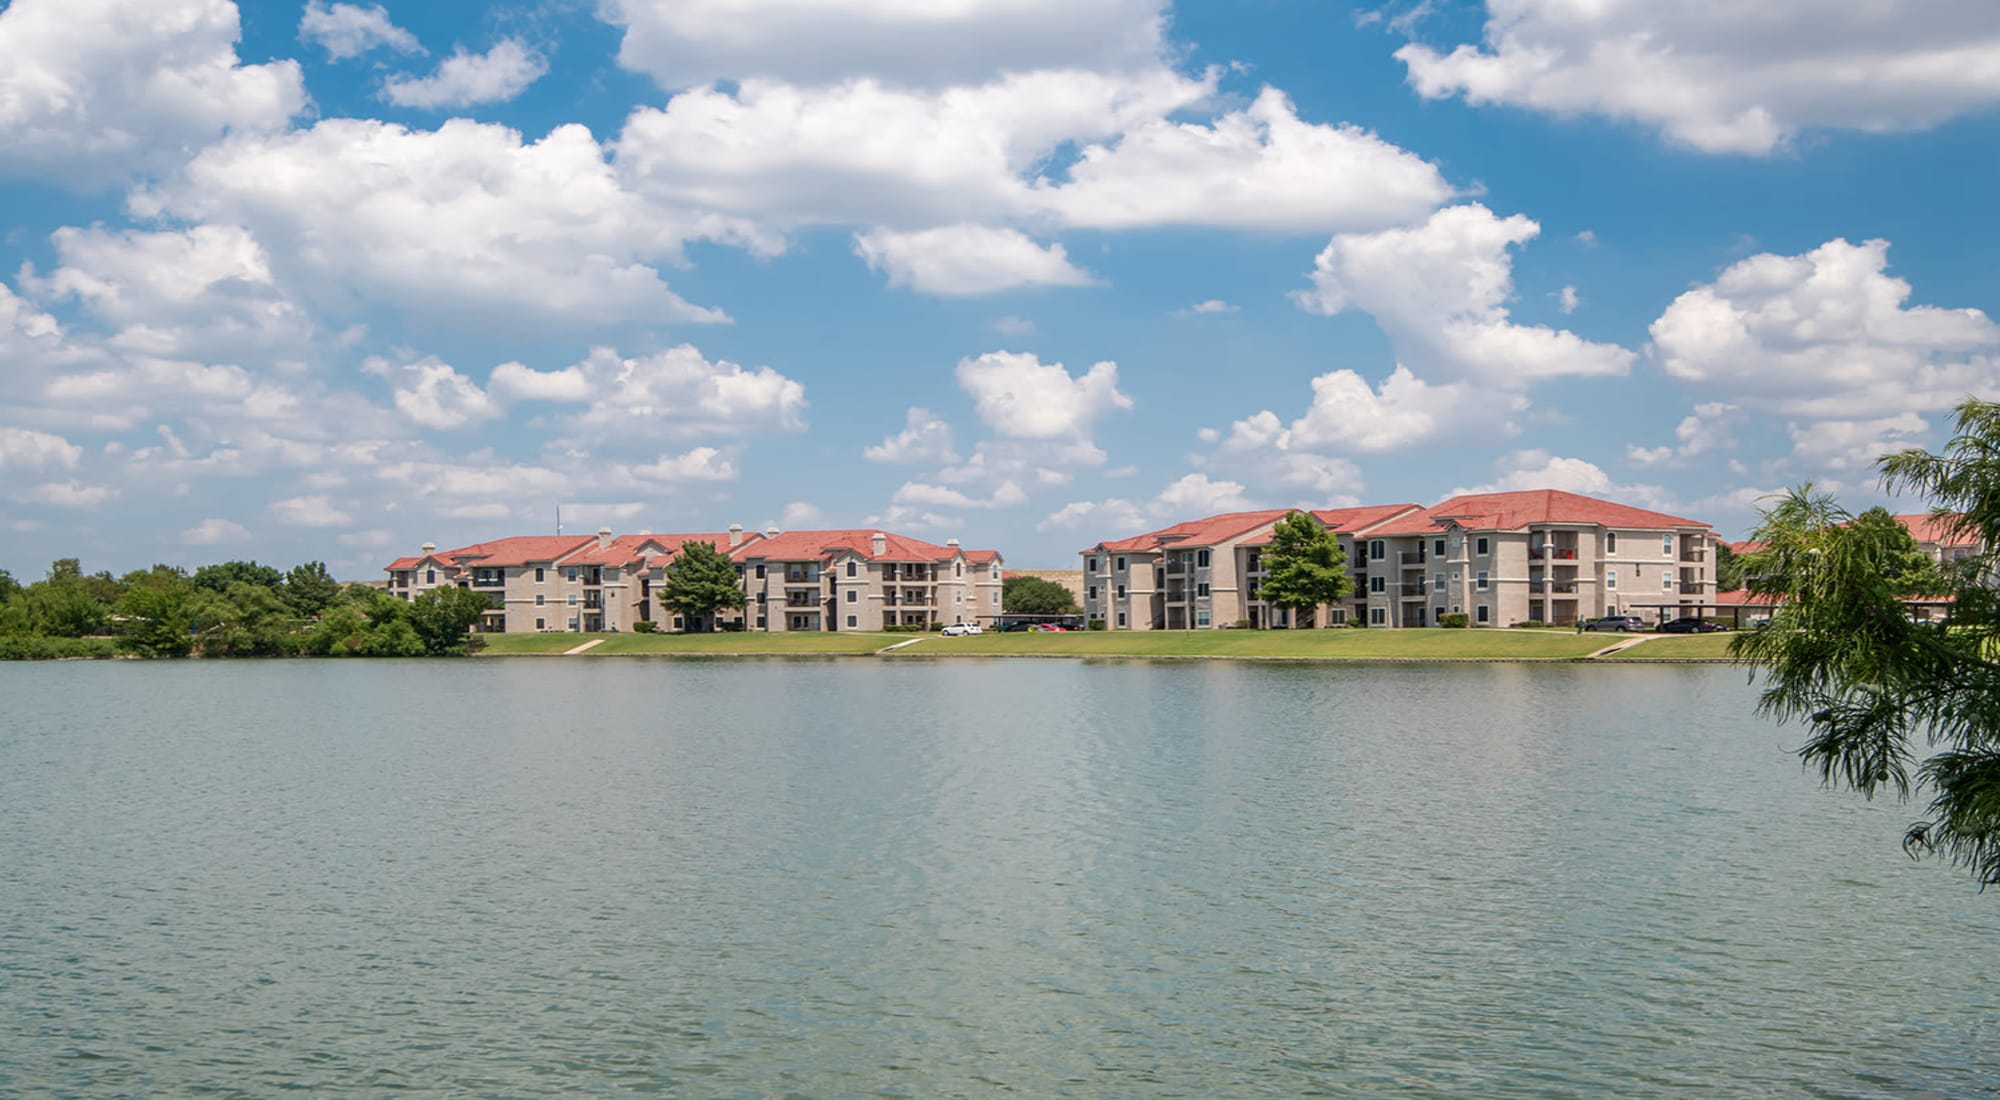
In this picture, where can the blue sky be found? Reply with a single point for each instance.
(286, 280)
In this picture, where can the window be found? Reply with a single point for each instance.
(1378, 584)
(1201, 618)
(1437, 547)
(996, 599)
(850, 620)
(763, 622)
(1201, 559)
(1121, 565)
(1666, 581)
(679, 623)
(760, 572)
(1090, 565)
(538, 574)
(851, 567)
(958, 569)
(572, 599)
(1121, 618)
(1378, 616)
(1121, 591)
(851, 593)
(1437, 582)
(430, 576)
(763, 597)
(540, 599)
(1479, 580)
(1667, 546)
(1201, 590)
(1610, 542)
(1437, 613)
(541, 624)
(1377, 550)
(958, 597)
(1454, 576)
(996, 571)
(1091, 592)
(1611, 578)
(1482, 614)
(1480, 546)
(570, 574)
(572, 622)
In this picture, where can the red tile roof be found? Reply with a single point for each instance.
(1746, 546)
(517, 550)
(1197, 532)
(1353, 520)
(629, 549)
(1925, 527)
(1514, 511)
(821, 545)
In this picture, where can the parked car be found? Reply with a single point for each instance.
(956, 630)
(1621, 624)
(1691, 626)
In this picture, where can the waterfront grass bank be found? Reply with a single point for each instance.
(1297, 645)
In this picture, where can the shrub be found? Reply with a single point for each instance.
(1531, 624)
(1240, 624)
(28, 647)
(1456, 619)
(1097, 624)
(645, 626)
(732, 628)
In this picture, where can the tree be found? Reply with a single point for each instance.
(8, 586)
(310, 589)
(158, 609)
(1728, 568)
(1875, 690)
(1036, 596)
(701, 581)
(1305, 566)
(1909, 569)
(218, 578)
(440, 617)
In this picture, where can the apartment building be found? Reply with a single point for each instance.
(1184, 577)
(576, 583)
(864, 580)
(1498, 558)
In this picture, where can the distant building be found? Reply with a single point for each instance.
(1497, 558)
(798, 580)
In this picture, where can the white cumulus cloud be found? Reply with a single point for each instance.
(215, 532)
(466, 79)
(1728, 78)
(960, 261)
(924, 438)
(350, 30)
(1021, 397)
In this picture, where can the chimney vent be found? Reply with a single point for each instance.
(772, 532)
(879, 542)
(735, 535)
(430, 548)
(953, 543)
(603, 537)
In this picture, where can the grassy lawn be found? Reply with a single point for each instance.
(693, 645)
(1307, 644)
(1680, 646)
(509, 644)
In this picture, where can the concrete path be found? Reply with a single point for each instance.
(595, 642)
(899, 645)
(1621, 645)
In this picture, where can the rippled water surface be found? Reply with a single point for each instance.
(871, 878)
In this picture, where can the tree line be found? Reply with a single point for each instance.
(228, 609)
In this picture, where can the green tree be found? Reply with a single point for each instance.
(1908, 567)
(1728, 569)
(158, 609)
(1889, 703)
(338, 633)
(218, 578)
(1036, 596)
(250, 620)
(1305, 566)
(65, 604)
(9, 587)
(701, 582)
(310, 589)
(440, 618)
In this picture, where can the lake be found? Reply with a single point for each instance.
(543, 877)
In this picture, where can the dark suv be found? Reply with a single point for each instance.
(1691, 626)
(1621, 624)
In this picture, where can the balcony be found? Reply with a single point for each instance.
(1557, 587)
(1552, 553)
(801, 576)
(494, 579)
(796, 601)
(1693, 588)
(1411, 558)
(593, 601)
(1416, 590)
(1689, 553)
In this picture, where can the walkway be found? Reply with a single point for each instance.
(1620, 646)
(595, 642)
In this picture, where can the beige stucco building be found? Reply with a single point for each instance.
(1498, 558)
(798, 580)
